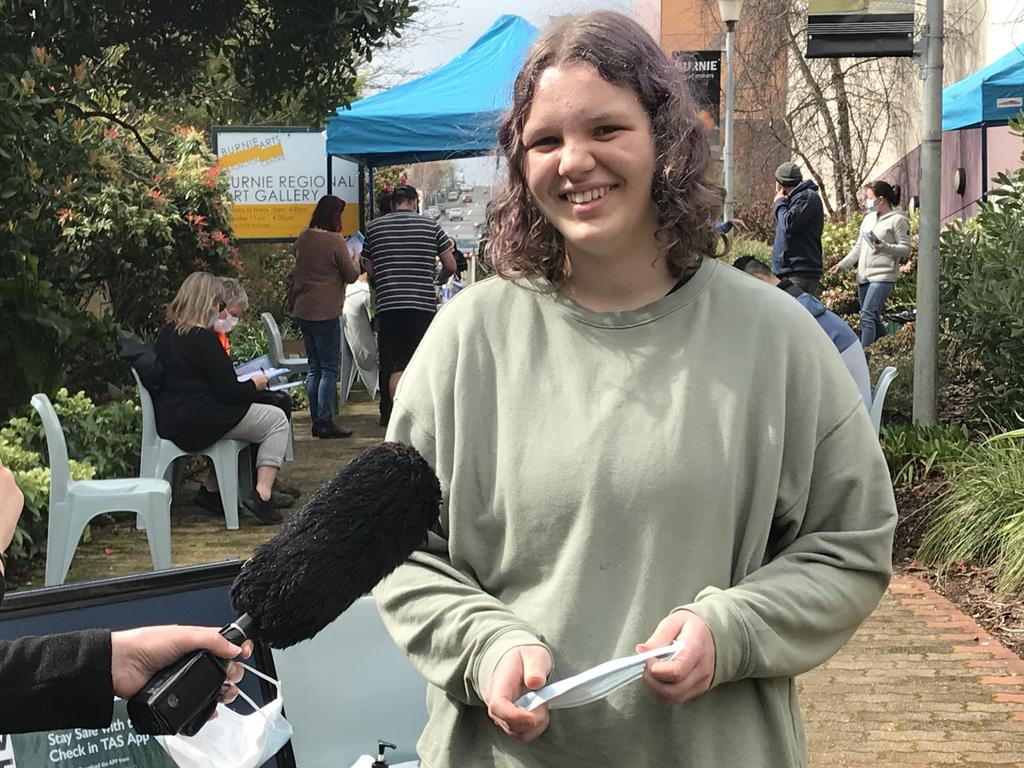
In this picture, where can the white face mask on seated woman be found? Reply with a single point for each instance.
(223, 324)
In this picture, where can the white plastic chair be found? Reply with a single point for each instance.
(158, 457)
(347, 367)
(878, 398)
(275, 348)
(73, 503)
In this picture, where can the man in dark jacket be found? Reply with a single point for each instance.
(799, 220)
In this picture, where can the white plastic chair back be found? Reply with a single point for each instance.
(56, 446)
(878, 398)
(150, 437)
(275, 347)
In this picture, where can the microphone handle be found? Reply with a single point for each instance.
(181, 697)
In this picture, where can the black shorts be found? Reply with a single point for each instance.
(399, 332)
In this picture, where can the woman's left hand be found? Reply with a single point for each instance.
(690, 672)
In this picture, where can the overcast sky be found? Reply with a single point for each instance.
(454, 26)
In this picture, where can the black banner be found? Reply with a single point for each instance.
(703, 71)
(860, 28)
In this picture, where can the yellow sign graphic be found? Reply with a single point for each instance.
(276, 222)
(242, 156)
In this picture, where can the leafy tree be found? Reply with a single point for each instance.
(300, 53)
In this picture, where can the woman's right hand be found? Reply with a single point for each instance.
(260, 381)
(522, 668)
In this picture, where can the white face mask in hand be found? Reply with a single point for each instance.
(232, 740)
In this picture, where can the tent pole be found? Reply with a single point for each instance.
(330, 174)
(371, 202)
(984, 162)
(361, 175)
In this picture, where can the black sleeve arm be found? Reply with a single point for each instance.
(223, 381)
(56, 681)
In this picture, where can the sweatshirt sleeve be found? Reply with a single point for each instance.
(901, 249)
(451, 629)
(830, 565)
(850, 259)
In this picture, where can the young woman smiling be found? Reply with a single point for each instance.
(637, 444)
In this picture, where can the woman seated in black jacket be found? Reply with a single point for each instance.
(202, 401)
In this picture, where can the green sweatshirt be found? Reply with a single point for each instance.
(709, 450)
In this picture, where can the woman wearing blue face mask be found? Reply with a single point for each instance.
(201, 400)
(884, 241)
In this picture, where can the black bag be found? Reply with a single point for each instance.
(281, 399)
(142, 357)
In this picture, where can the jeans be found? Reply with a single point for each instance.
(323, 350)
(872, 298)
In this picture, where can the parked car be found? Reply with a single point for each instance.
(454, 214)
(453, 196)
(467, 198)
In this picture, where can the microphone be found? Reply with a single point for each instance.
(355, 530)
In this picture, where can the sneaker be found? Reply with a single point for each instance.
(263, 510)
(329, 430)
(208, 500)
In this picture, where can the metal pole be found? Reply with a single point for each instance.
(984, 163)
(727, 143)
(926, 343)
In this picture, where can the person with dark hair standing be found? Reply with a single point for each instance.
(401, 252)
(637, 445)
(316, 295)
(884, 241)
(799, 222)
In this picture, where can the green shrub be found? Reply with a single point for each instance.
(267, 266)
(914, 452)
(103, 441)
(746, 246)
(981, 288)
(248, 340)
(981, 516)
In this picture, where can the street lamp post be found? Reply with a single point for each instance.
(730, 12)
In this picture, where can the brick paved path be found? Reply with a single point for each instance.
(921, 684)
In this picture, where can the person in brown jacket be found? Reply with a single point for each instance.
(323, 266)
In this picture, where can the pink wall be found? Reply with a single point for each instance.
(960, 149)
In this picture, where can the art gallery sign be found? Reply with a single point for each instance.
(276, 176)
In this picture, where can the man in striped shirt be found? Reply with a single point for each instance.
(401, 252)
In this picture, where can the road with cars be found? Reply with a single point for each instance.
(466, 230)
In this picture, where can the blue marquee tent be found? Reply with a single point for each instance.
(448, 113)
(990, 96)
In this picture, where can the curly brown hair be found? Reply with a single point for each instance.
(522, 241)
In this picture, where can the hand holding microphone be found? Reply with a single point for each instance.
(355, 530)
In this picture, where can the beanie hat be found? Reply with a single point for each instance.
(789, 174)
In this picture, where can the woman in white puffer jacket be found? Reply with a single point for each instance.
(884, 241)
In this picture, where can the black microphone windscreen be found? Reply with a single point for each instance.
(355, 530)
